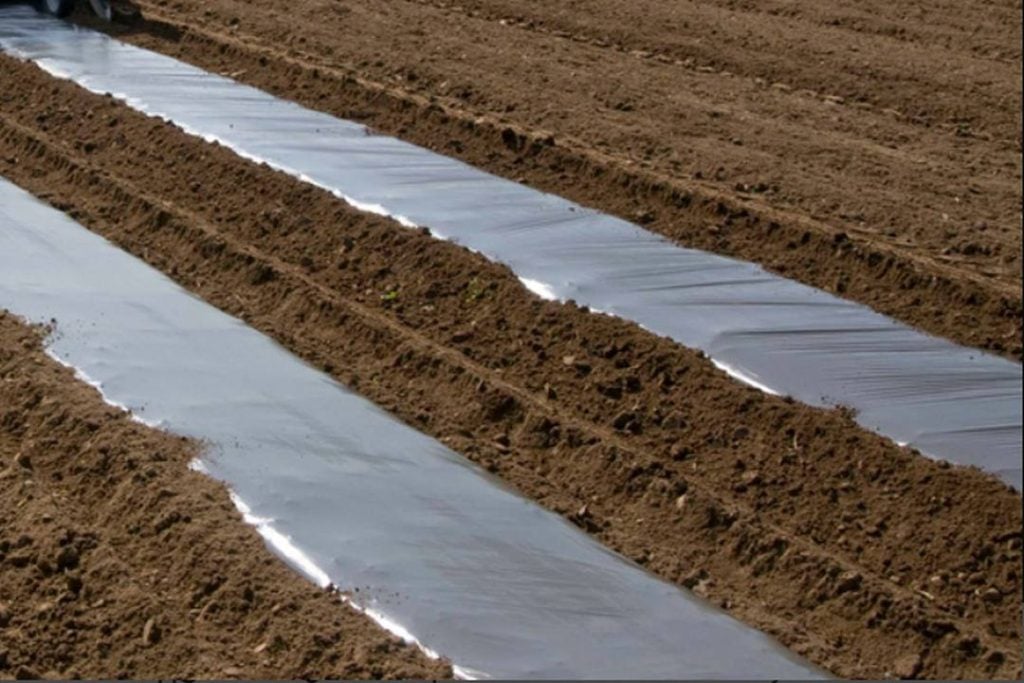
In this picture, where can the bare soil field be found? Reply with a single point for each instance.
(872, 150)
(116, 560)
(867, 558)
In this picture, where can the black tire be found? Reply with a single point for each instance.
(59, 8)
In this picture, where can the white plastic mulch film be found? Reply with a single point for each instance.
(950, 402)
(428, 545)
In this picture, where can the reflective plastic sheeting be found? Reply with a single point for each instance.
(951, 402)
(437, 549)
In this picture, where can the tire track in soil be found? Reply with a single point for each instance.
(116, 560)
(952, 294)
(858, 554)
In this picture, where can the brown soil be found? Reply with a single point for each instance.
(872, 151)
(868, 558)
(117, 561)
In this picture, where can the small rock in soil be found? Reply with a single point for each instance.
(907, 666)
(680, 452)
(849, 581)
(150, 633)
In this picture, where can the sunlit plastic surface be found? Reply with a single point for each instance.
(429, 544)
(951, 402)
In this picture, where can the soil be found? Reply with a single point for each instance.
(872, 151)
(870, 559)
(118, 561)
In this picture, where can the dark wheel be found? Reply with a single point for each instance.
(60, 8)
